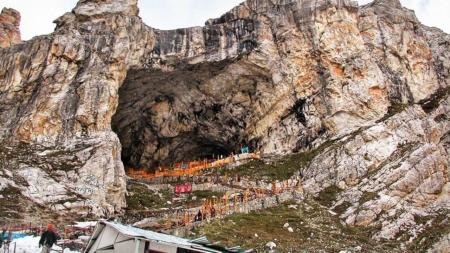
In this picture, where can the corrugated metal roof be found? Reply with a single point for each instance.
(153, 236)
(205, 242)
(201, 240)
(201, 243)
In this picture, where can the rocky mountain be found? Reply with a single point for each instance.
(365, 86)
(9, 27)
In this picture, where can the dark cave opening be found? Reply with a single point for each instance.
(169, 117)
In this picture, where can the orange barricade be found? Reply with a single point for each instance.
(185, 168)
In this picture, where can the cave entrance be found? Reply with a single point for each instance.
(167, 117)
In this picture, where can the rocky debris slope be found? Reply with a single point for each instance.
(394, 172)
(367, 86)
(390, 174)
(9, 27)
(38, 182)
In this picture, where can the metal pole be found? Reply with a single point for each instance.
(136, 248)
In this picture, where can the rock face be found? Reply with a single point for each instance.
(9, 27)
(368, 86)
(60, 92)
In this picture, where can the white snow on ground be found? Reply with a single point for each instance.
(85, 224)
(30, 244)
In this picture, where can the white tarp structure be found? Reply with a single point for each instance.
(111, 237)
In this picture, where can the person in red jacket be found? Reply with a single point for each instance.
(47, 240)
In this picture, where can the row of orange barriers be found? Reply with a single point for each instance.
(211, 207)
(189, 168)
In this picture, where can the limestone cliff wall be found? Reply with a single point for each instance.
(286, 79)
(368, 86)
(60, 91)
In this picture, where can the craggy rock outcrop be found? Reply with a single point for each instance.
(366, 86)
(60, 91)
(292, 79)
(394, 171)
(9, 27)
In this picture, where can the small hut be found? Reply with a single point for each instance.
(111, 237)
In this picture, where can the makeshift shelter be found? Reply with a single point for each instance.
(111, 237)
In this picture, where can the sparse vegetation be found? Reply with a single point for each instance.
(440, 227)
(280, 169)
(367, 196)
(393, 109)
(10, 202)
(430, 104)
(401, 151)
(327, 196)
(141, 197)
(314, 230)
(441, 118)
(340, 209)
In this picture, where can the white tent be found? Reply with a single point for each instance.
(111, 237)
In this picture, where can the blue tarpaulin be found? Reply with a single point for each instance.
(15, 236)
